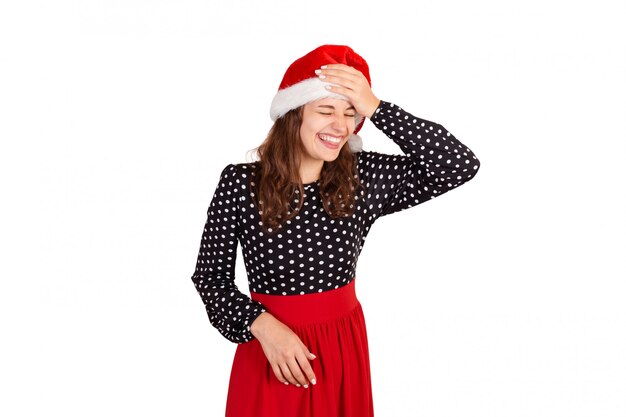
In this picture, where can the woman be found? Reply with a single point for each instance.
(301, 213)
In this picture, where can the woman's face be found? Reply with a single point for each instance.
(326, 125)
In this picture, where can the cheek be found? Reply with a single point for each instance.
(352, 125)
(307, 132)
(310, 127)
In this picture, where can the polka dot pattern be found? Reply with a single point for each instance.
(313, 252)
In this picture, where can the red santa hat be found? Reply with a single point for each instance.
(300, 84)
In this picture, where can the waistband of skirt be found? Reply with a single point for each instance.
(310, 308)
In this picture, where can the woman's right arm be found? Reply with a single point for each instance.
(237, 317)
(287, 355)
(229, 310)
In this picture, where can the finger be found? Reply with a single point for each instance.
(354, 78)
(287, 373)
(297, 372)
(347, 72)
(342, 67)
(345, 82)
(306, 368)
(279, 374)
(341, 90)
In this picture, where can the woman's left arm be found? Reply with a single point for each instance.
(433, 163)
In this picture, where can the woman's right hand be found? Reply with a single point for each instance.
(286, 353)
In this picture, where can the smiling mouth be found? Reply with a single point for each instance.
(329, 138)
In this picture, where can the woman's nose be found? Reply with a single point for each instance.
(340, 124)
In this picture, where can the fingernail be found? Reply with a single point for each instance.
(322, 76)
(297, 385)
(286, 383)
(318, 71)
(313, 355)
(313, 381)
(306, 386)
(323, 66)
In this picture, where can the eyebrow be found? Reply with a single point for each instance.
(333, 107)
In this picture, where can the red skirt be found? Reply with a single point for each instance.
(332, 326)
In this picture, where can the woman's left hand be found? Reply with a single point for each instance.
(352, 84)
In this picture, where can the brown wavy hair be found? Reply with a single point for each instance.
(277, 177)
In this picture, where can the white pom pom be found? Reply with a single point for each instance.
(355, 142)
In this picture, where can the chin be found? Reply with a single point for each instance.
(330, 155)
(331, 159)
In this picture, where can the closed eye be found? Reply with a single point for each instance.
(330, 114)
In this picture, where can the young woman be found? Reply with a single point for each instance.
(301, 213)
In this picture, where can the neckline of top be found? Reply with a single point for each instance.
(311, 183)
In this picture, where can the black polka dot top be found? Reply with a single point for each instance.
(313, 252)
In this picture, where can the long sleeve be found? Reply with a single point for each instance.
(230, 311)
(434, 162)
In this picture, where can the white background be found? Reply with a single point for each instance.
(504, 297)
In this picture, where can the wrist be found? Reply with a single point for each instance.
(257, 326)
(375, 105)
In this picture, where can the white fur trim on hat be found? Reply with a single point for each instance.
(357, 118)
(299, 94)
